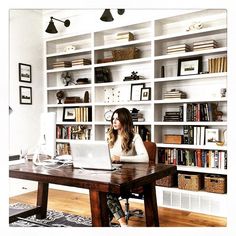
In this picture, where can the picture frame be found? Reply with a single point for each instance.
(189, 66)
(69, 114)
(25, 74)
(212, 136)
(25, 95)
(145, 94)
(135, 94)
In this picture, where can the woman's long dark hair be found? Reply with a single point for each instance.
(127, 134)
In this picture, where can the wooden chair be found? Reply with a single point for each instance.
(137, 193)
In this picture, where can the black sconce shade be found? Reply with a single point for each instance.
(51, 29)
(107, 16)
(121, 11)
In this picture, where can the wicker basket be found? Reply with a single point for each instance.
(125, 54)
(168, 181)
(189, 181)
(215, 183)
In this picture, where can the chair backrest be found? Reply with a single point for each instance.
(151, 150)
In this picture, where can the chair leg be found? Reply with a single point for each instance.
(127, 215)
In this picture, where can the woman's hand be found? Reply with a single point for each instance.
(115, 159)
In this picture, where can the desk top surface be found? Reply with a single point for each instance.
(130, 175)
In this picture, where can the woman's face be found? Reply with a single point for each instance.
(116, 123)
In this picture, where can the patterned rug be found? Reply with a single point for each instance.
(53, 219)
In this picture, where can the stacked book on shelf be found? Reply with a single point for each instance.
(137, 117)
(217, 65)
(203, 45)
(63, 149)
(178, 48)
(174, 93)
(198, 157)
(124, 36)
(174, 115)
(61, 64)
(194, 135)
(72, 100)
(81, 62)
(143, 131)
(83, 114)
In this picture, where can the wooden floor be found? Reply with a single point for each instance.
(78, 204)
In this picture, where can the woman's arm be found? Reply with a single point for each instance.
(141, 154)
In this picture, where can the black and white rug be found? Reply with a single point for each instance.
(53, 219)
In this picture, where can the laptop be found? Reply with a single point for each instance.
(92, 155)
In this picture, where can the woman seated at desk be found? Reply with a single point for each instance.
(125, 146)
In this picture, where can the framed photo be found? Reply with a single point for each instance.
(212, 136)
(135, 94)
(25, 95)
(189, 66)
(25, 73)
(69, 114)
(145, 94)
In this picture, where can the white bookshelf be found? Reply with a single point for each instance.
(152, 38)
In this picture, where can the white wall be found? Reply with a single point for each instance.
(26, 46)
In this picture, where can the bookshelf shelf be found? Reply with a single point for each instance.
(152, 38)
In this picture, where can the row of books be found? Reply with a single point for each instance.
(174, 115)
(201, 111)
(83, 114)
(217, 65)
(143, 131)
(178, 48)
(198, 158)
(174, 93)
(73, 132)
(137, 117)
(63, 149)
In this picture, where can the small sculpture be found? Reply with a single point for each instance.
(67, 78)
(134, 76)
(86, 97)
(195, 26)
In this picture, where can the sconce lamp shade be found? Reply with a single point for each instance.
(107, 16)
(51, 29)
(121, 11)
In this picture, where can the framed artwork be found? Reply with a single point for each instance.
(25, 73)
(135, 94)
(189, 66)
(25, 95)
(212, 136)
(69, 114)
(145, 94)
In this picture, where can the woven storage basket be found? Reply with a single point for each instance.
(167, 181)
(125, 54)
(189, 181)
(215, 183)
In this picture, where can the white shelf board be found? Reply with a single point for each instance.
(189, 146)
(179, 101)
(122, 83)
(202, 169)
(197, 123)
(69, 68)
(69, 87)
(70, 105)
(84, 50)
(123, 103)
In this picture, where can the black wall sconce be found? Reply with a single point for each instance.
(51, 29)
(107, 16)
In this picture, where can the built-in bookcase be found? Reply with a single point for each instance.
(158, 69)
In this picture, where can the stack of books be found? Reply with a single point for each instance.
(173, 93)
(178, 48)
(61, 64)
(81, 62)
(125, 36)
(137, 117)
(217, 65)
(172, 116)
(208, 44)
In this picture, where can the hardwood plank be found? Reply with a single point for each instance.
(78, 204)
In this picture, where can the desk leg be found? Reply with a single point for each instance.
(150, 203)
(42, 200)
(99, 209)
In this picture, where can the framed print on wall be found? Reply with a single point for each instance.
(189, 66)
(69, 114)
(25, 95)
(25, 73)
(135, 94)
(145, 94)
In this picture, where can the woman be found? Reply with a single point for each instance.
(125, 146)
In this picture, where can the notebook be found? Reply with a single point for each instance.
(92, 155)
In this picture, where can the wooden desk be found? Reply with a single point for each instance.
(99, 184)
